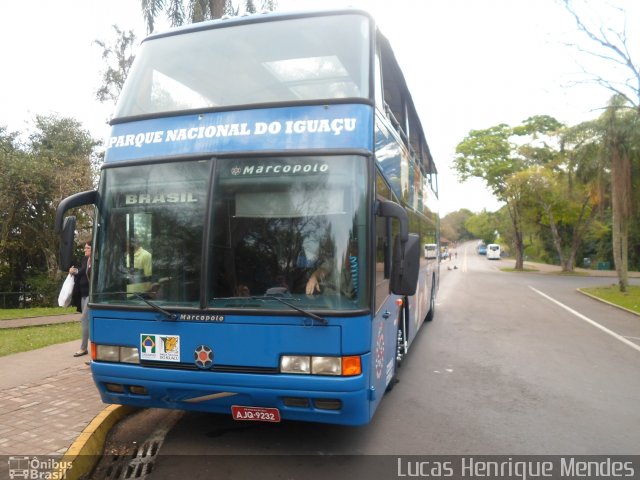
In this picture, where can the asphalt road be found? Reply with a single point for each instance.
(513, 364)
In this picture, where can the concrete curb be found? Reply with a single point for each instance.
(608, 303)
(87, 449)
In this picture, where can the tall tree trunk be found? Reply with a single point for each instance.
(557, 241)
(581, 228)
(514, 213)
(217, 8)
(620, 231)
(621, 212)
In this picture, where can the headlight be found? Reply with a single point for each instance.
(326, 365)
(107, 353)
(129, 355)
(116, 353)
(307, 364)
(295, 364)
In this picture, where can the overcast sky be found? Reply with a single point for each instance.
(470, 64)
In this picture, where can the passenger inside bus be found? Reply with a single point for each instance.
(325, 276)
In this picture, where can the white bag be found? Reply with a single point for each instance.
(66, 292)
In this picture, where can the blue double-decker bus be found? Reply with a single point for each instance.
(265, 195)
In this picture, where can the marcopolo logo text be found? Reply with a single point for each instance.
(287, 169)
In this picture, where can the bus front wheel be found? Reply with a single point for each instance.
(432, 303)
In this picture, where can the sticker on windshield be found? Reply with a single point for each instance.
(165, 348)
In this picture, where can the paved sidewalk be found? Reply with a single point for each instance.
(47, 398)
(34, 321)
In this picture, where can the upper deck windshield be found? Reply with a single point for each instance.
(274, 222)
(283, 60)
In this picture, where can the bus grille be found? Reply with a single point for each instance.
(215, 368)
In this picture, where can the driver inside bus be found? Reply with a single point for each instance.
(347, 283)
(139, 277)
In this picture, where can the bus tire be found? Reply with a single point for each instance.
(432, 303)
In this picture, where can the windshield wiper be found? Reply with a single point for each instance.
(313, 316)
(157, 308)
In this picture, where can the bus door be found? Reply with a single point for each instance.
(388, 318)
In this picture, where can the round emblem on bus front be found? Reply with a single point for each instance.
(203, 357)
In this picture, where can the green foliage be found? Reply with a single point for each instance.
(483, 226)
(487, 154)
(539, 249)
(56, 161)
(559, 189)
(118, 58)
(452, 226)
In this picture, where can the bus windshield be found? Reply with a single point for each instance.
(274, 222)
(258, 64)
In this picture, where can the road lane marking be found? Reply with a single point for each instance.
(588, 320)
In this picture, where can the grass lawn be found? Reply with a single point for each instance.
(14, 340)
(11, 313)
(629, 300)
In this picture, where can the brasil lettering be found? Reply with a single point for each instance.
(336, 126)
(155, 198)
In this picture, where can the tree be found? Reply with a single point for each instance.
(483, 226)
(180, 12)
(610, 44)
(452, 226)
(497, 153)
(14, 167)
(566, 212)
(118, 58)
(559, 200)
(620, 144)
(57, 160)
(490, 155)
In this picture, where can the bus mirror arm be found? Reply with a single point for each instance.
(66, 226)
(385, 208)
(77, 200)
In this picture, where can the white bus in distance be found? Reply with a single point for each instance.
(493, 251)
(430, 251)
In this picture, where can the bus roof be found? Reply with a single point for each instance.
(421, 147)
(229, 21)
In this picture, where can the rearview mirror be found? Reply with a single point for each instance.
(405, 265)
(66, 243)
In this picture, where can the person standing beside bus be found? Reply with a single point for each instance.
(81, 286)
